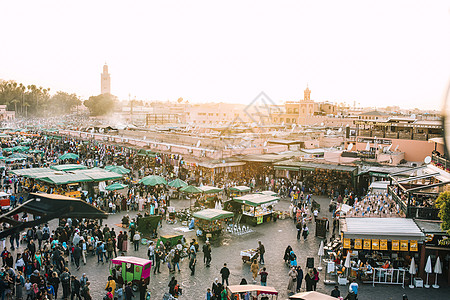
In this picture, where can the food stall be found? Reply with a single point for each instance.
(387, 244)
(249, 255)
(211, 221)
(240, 190)
(210, 195)
(256, 208)
(256, 292)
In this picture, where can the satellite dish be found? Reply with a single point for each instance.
(265, 143)
(349, 147)
(427, 160)
(340, 129)
(198, 144)
(145, 137)
(375, 138)
(321, 124)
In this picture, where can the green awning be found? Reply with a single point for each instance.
(116, 186)
(68, 167)
(177, 183)
(256, 199)
(190, 189)
(286, 168)
(240, 188)
(210, 189)
(212, 214)
(118, 169)
(153, 180)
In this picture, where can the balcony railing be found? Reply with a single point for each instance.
(397, 199)
(440, 161)
(391, 135)
(420, 136)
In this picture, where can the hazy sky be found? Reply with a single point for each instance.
(372, 52)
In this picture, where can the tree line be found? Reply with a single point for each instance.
(31, 100)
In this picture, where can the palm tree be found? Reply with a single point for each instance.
(15, 101)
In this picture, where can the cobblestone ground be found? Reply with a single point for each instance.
(275, 236)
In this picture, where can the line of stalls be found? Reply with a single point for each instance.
(320, 178)
(67, 179)
(392, 240)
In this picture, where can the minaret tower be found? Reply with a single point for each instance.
(106, 80)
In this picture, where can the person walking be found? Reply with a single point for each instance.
(299, 278)
(309, 279)
(207, 254)
(136, 240)
(261, 251)
(305, 232)
(128, 292)
(157, 262)
(299, 230)
(77, 256)
(225, 273)
(54, 281)
(292, 280)
(192, 262)
(254, 269)
(263, 273)
(65, 282)
(76, 287)
(316, 278)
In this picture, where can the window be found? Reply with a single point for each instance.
(288, 120)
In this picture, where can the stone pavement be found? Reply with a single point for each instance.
(275, 236)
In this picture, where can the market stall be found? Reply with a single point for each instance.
(386, 244)
(211, 221)
(210, 196)
(237, 191)
(238, 292)
(256, 208)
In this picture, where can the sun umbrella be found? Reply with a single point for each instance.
(118, 169)
(116, 186)
(320, 253)
(177, 183)
(190, 189)
(68, 156)
(412, 271)
(437, 270)
(153, 180)
(428, 270)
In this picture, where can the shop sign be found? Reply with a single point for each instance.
(358, 243)
(259, 220)
(367, 244)
(383, 245)
(413, 246)
(404, 245)
(375, 244)
(346, 243)
(395, 245)
(438, 240)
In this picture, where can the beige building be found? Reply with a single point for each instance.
(6, 115)
(304, 112)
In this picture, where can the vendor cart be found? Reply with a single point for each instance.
(172, 239)
(249, 255)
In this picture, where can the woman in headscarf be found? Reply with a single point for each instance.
(309, 278)
(286, 254)
(254, 268)
(292, 280)
(293, 259)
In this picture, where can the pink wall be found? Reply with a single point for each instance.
(414, 150)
